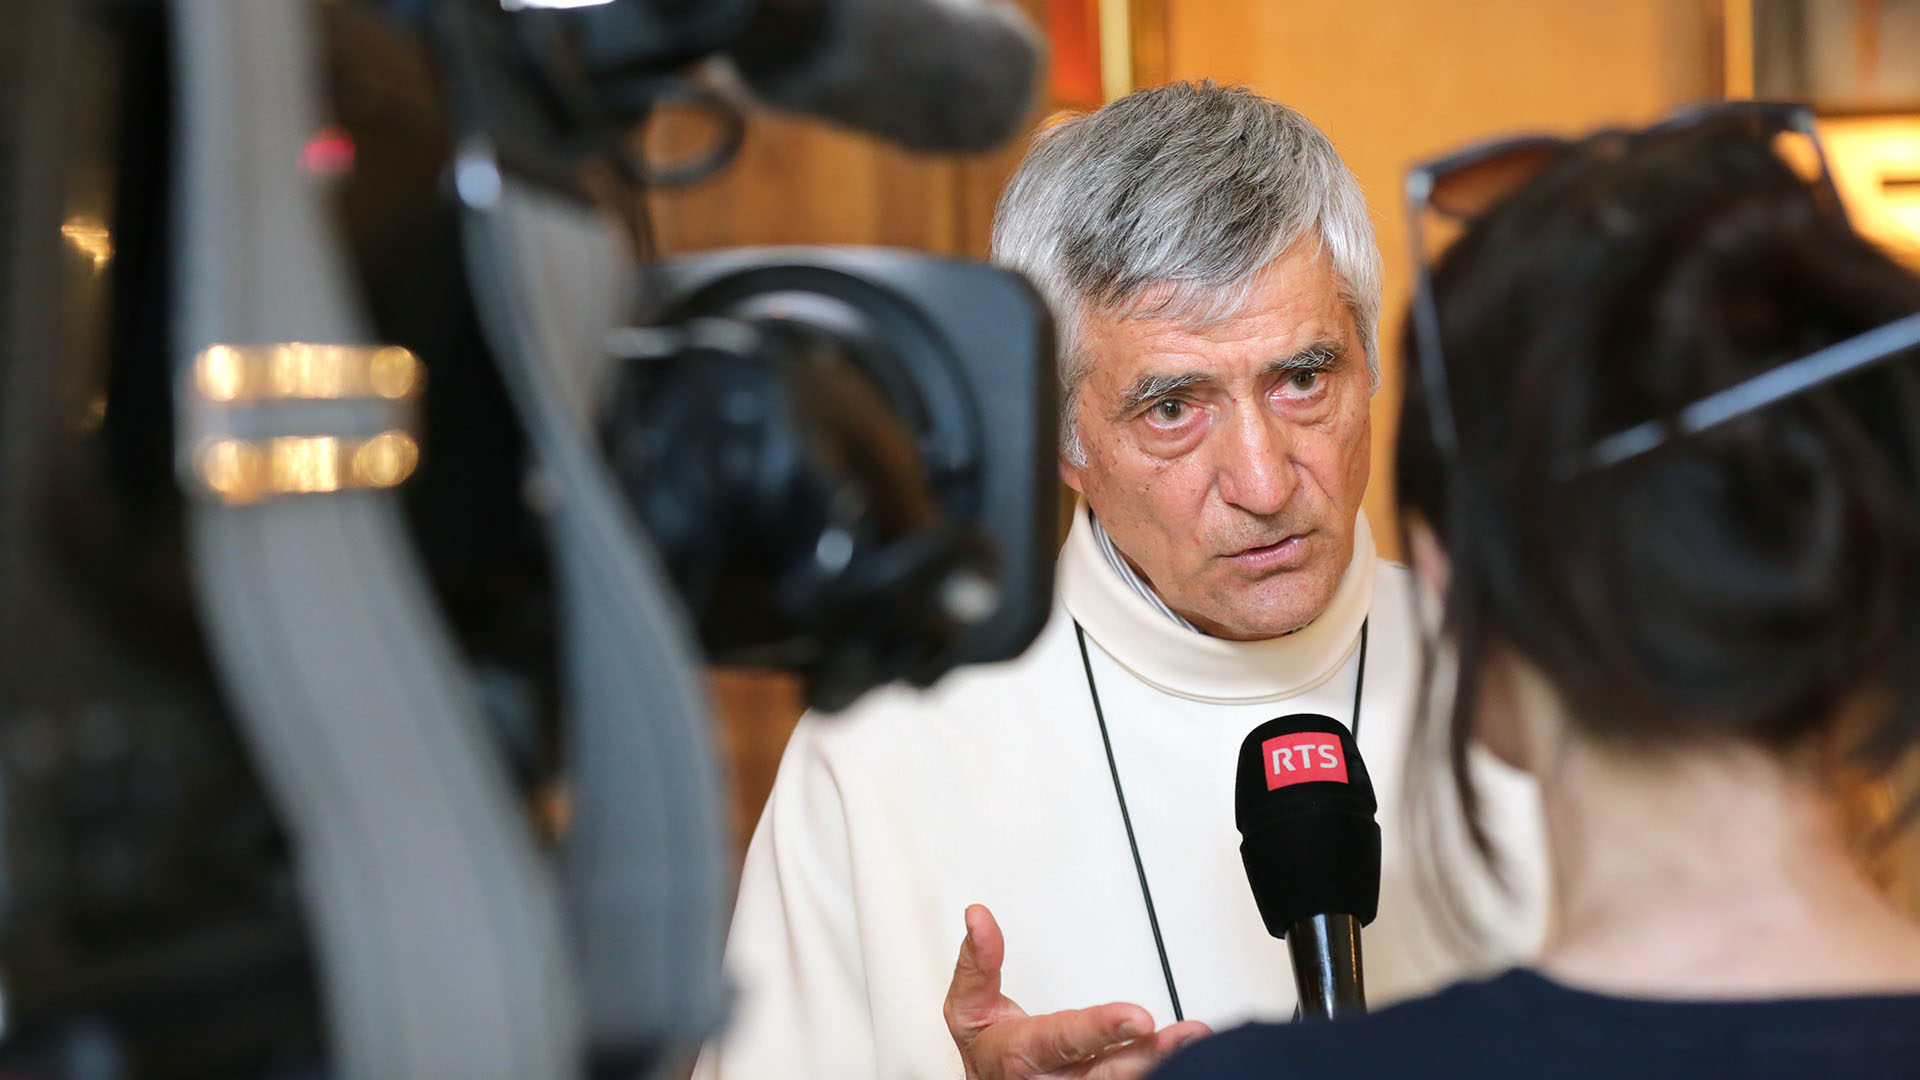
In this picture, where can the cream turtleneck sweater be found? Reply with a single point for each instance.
(887, 820)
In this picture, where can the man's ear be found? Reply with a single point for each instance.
(1070, 476)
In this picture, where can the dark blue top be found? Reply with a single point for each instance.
(1523, 1025)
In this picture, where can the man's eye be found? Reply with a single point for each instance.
(1169, 411)
(1305, 379)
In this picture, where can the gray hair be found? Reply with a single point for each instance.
(1168, 203)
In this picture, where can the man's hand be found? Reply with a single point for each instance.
(999, 1041)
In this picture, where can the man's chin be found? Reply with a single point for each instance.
(1232, 627)
(1261, 617)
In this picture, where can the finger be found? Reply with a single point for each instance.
(1174, 1036)
(989, 946)
(1056, 1040)
(973, 998)
(1135, 1059)
(1128, 1062)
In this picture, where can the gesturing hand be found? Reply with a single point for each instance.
(999, 1041)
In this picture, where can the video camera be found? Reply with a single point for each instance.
(371, 491)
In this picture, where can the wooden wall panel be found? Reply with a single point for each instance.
(1391, 81)
(756, 712)
(799, 182)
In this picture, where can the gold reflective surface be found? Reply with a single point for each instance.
(233, 469)
(241, 471)
(386, 459)
(220, 373)
(303, 464)
(393, 372)
(90, 237)
(300, 371)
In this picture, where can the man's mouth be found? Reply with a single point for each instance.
(1284, 553)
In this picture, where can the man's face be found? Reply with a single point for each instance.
(1228, 463)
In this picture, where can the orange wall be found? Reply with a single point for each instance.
(1391, 81)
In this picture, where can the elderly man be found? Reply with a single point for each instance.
(1212, 266)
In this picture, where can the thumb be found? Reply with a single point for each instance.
(973, 999)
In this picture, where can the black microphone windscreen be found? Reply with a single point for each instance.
(927, 74)
(1305, 808)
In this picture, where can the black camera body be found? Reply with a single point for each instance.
(280, 759)
(845, 457)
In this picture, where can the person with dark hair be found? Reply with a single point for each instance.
(1660, 463)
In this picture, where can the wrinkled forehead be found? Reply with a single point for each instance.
(1293, 306)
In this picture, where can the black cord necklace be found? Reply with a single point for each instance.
(1120, 795)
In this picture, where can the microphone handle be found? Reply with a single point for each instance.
(1326, 967)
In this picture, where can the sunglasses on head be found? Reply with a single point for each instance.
(1459, 187)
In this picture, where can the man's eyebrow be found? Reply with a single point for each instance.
(1150, 387)
(1323, 355)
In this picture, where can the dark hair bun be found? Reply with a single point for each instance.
(1748, 581)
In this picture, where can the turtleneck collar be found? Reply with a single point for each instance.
(1196, 666)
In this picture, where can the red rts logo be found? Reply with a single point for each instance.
(1304, 756)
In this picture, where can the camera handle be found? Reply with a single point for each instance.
(645, 862)
(438, 931)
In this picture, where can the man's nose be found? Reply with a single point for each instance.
(1256, 471)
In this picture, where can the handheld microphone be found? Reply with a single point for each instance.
(1305, 809)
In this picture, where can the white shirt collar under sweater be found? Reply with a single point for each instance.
(1196, 666)
(1131, 576)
